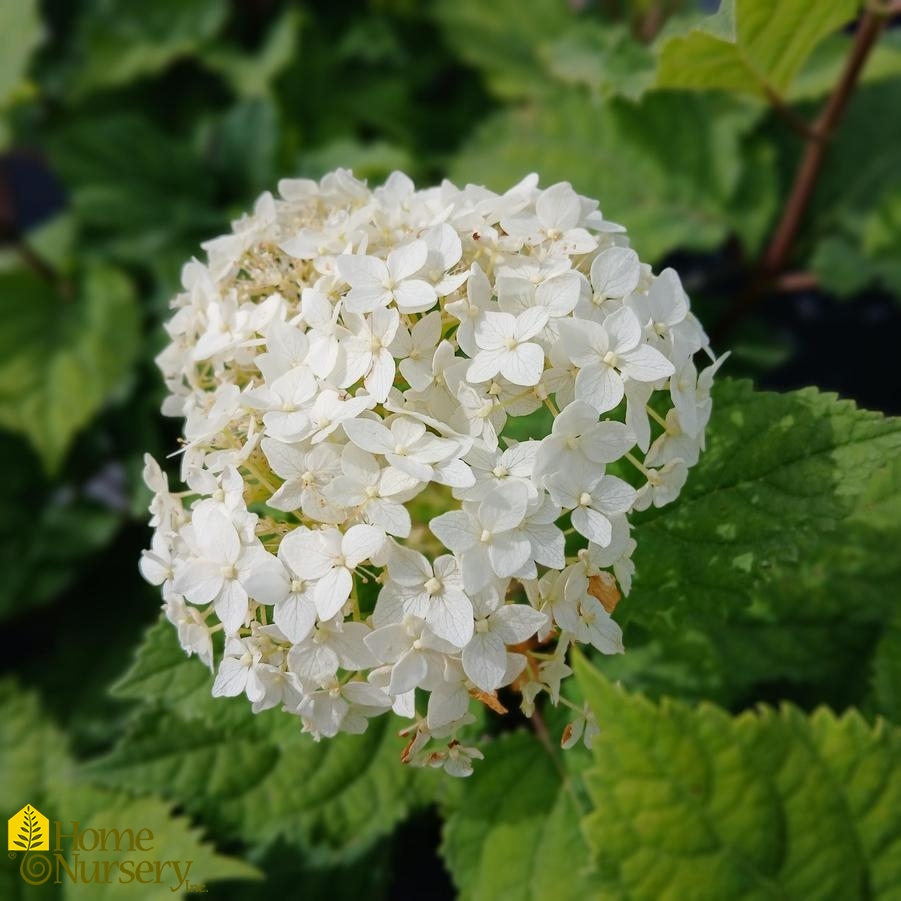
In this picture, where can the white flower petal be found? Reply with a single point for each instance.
(305, 553)
(646, 364)
(296, 616)
(524, 365)
(230, 678)
(332, 591)
(231, 606)
(515, 623)
(601, 386)
(615, 272)
(450, 617)
(263, 576)
(408, 672)
(593, 525)
(361, 542)
(485, 660)
(407, 260)
(455, 530)
(415, 296)
(369, 435)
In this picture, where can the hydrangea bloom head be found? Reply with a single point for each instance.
(348, 358)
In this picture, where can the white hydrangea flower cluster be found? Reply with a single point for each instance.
(349, 355)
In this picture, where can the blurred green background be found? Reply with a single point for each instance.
(131, 130)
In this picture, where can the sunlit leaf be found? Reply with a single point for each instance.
(750, 46)
(781, 474)
(670, 168)
(767, 804)
(20, 34)
(63, 354)
(513, 833)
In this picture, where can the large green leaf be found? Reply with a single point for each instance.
(669, 168)
(36, 768)
(20, 34)
(33, 753)
(159, 674)
(502, 39)
(121, 40)
(782, 475)
(806, 631)
(174, 839)
(256, 776)
(513, 833)
(690, 803)
(750, 46)
(135, 189)
(62, 354)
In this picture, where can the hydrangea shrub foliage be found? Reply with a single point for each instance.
(421, 443)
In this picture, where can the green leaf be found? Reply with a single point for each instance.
(250, 75)
(43, 548)
(604, 59)
(61, 357)
(841, 266)
(255, 775)
(33, 752)
(134, 187)
(33, 760)
(375, 160)
(690, 802)
(36, 769)
(337, 796)
(854, 222)
(887, 672)
(122, 40)
(750, 46)
(823, 69)
(514, 831)
(860, 169)
(173, 840)
(503, 41)
(242, 146)
(20, 34)
(669, 168)
(784, 640)
(782, 472)
(162, 677)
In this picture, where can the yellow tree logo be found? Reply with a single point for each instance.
(29, 830)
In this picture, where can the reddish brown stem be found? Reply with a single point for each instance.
(540, 727)
(792, 282)
(651, 23)
(794, 120)
(777, 253)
